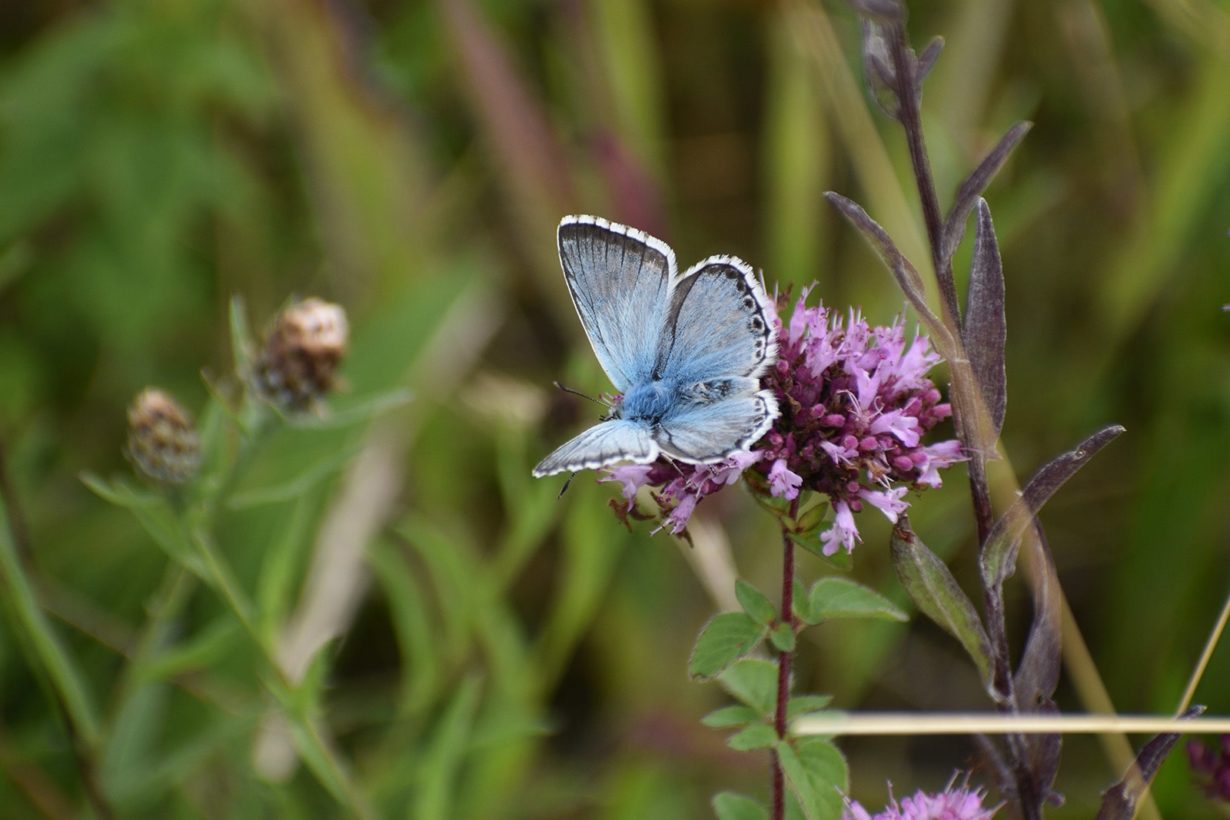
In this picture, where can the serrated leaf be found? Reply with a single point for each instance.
(729, 716)
(806, 704)
(756, 736)
(973, 186)
(731, 806)
(752, 681)
(998, 558)
(783, 637)
(905, 273)
(985, 332)
(939, 597)
(725, 639)
(833, 598)
(817, 774)
(755, 603)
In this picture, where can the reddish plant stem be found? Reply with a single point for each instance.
(784, 660)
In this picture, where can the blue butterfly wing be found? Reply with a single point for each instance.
(620, 280)
(704, 433)
(719, 324)
(601, 445)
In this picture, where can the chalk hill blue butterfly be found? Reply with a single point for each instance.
(686, 352)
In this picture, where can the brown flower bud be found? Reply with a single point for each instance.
(299, 362)
(162, 442)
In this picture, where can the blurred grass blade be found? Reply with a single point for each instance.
(298, 486)
(358, 412)
(938, 595)
(971, 189)
(438, 768)
(985, 329)
(405, 596)
(998, 558)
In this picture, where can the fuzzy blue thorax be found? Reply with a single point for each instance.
(650, 400)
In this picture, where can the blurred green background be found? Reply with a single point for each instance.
(501, 653)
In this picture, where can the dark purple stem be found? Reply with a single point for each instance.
(784, 660)
(964, 391)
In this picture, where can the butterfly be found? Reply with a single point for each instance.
(686, 352)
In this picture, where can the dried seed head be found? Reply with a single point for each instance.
(162, 442)
(298, 365)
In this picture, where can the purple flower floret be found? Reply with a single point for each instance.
(855, 403)
(954, 803)
(1214, 766)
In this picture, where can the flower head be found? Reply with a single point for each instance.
(1213, 766)
(298, 364)
(856, 404)
(162, 443)
(954, 803)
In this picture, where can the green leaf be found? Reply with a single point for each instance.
(817, 774)
(755, 603)
(800, 604)
(200, 652)
(725, 639)
(938, 596)
(810, 520)
(833, 598)
(356, 413)
(731, 806)
(806, 704)
(441, 762)
(840, 560)
(298, 486)
(754, 682)
(729, 716)
(756, 736)
(782, 637)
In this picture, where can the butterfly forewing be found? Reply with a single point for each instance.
(719, 324)
(605, 443)
(620, 281)
(706, 433)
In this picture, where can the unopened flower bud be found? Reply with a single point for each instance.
(162, 442)
(298, 365)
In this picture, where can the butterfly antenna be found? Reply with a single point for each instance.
(567, 484)
(579, 393)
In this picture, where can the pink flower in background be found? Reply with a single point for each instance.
(954, 803)
(1214, 766)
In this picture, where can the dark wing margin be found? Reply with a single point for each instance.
(720, 324)
(620, 279)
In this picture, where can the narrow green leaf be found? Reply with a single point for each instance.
(242, 347)
(938, 596)
(810, 520)
(782, 637)
(756, 736)
(725, 639)
(755, 603)
(199, 652)
(754, 682)
(729, 716)
(360, 411)
(806, 704)
(439, 766)
(731, 806)
(817, 774)
(832, 598)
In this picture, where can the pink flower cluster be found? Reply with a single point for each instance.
(855, 404)
(954, 803)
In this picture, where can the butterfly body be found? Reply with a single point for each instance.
(686, 351)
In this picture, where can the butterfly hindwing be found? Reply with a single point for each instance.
(620, 280)
(719, 324)
(710, 432)
(605, 443)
